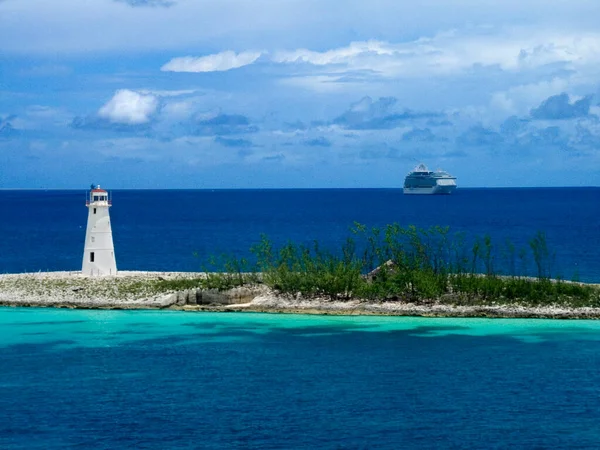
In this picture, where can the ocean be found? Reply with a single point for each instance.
(177, 380)
(183, 380)
(179, 230)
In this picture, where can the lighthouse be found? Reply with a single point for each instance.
(99, 251)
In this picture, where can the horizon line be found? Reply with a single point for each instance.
(286, 188)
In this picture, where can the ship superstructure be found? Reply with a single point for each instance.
(423, 181)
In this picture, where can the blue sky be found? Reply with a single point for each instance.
(289, 93)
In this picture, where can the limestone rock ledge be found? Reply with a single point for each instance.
(212, 296)
(272, 303)
(128, 290)
(137, 290)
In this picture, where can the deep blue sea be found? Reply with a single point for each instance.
(163, 230)
(165, 379)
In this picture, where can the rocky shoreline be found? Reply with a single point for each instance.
(132, 290)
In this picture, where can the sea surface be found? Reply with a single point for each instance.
(179, 230)
(177, 380)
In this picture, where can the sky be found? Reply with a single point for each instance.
(298, 93)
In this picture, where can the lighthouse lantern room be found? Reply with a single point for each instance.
(99, 251)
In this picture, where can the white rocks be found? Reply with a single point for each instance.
(274, 303)
(127, 290)
(137, 290)
(72, 289)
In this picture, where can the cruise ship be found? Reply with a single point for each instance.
(422, 181)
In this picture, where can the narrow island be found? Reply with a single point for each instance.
(394, 270)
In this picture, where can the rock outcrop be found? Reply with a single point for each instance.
(214, 297)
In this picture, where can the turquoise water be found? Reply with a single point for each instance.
(91, 328)
(166, 379)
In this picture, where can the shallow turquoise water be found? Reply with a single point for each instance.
(114, 327)
(166, 379)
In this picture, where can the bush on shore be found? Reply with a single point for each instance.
(409, 264)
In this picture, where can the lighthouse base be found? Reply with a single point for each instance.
(99, 263)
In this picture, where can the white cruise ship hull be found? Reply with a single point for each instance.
(430, 190)
(422, 181)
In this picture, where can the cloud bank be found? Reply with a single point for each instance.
(443, 54)
(304, 86)
(6, 127)
(558, 107)
(368, 114)
(219, 62)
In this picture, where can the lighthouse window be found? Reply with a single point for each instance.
(94, 210)
(93, 239)
(91, 256)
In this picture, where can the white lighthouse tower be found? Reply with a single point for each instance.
(99, 251)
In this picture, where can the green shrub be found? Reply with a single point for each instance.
(414, 264)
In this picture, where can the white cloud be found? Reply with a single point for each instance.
(445, 54)
(129, 107)
(218, 62)
(342, 55)
(453, 52)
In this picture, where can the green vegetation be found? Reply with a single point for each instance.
(391, 263)
(416, 265)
